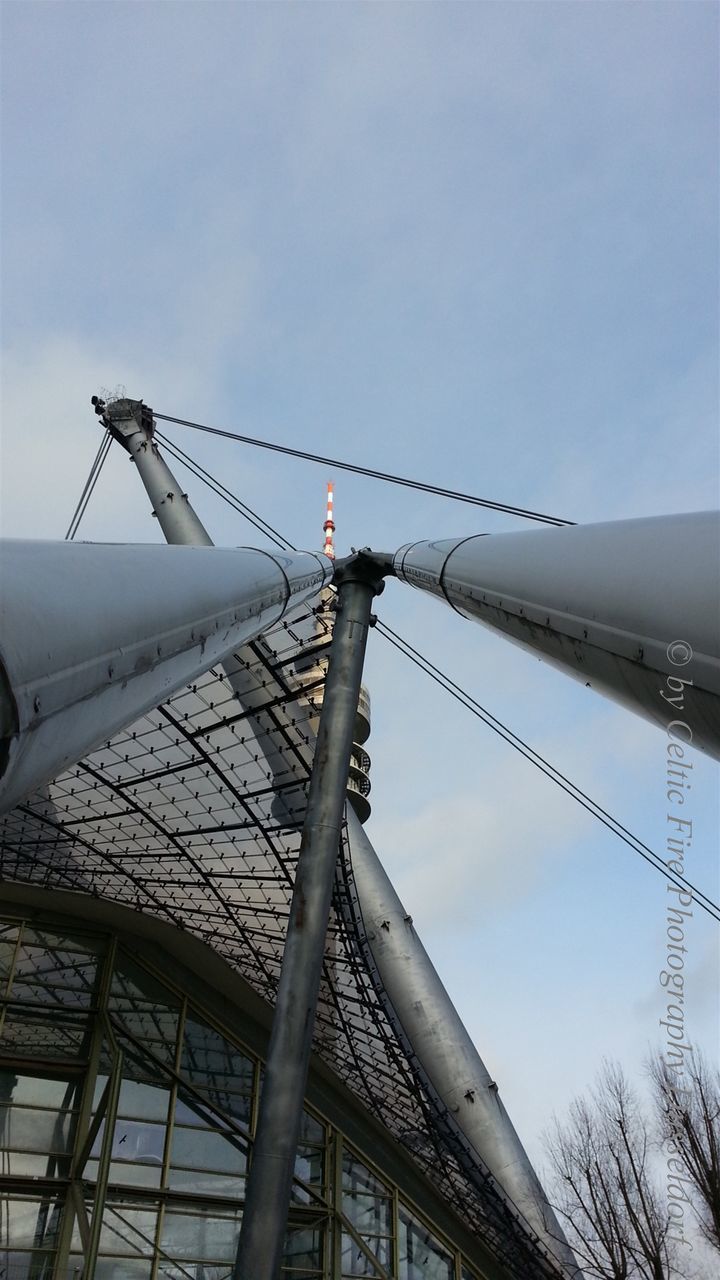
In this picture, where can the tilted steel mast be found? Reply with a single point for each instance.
(631, 608)
(94, 635)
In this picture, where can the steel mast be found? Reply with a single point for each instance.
(629, 607)
(130, 422)
(94, 635)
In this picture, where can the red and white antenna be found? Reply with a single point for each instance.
(329, 525)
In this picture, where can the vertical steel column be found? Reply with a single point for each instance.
(269, 1186)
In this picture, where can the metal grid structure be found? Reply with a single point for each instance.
(193, 814)
(143, 1119)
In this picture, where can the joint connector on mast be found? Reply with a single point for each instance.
(365, 566)
(131, 423)
(125, 418)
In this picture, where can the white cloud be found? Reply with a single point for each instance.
(462, 855)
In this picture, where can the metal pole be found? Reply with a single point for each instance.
(269, 1186)
(92, 636)
(131, 423)
(591, 600)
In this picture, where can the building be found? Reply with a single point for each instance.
(143, 922)
(145, 901)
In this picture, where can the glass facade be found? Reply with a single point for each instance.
(126, 1125)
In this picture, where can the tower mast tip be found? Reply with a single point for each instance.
(329, 525)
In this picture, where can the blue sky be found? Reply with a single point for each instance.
(472, 243)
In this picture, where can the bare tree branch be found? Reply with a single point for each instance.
(604, 1188)
(687, 1113)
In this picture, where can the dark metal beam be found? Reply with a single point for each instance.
(358, 580)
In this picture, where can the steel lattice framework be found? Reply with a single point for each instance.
(193, 814)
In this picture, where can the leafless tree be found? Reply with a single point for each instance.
(604, 1189)
(687, 1100)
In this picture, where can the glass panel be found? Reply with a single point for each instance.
(309, 1165)
(137, 1065)
(8, 1085)
(56, 969)
(356, 1263)
(209, 1110)
(216, 1068)
(187, 1234)
(312, 1131)
(128, 1231)
(24, 1129)
(196, 1113)
(100, 1083)
(26, 1222)
(370, 1215)
(43, 1033)
(21, 1164)
(141, 1101)
(303, 1247)
(357, 1178)
(200, 1183)
(147, 1008)
(124, 1174)
(367, 1203)
(45, 1129)
(72, 942)
(8, 939)
(134, 1141)
(422, 1257)
(55, 1092)
(207, 1149)
(27, 1266)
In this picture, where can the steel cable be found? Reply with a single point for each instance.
(370, 472)
(222, 492)
(460, 695)
(90, 483)
(534, 757)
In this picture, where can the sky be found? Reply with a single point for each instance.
(474, 244)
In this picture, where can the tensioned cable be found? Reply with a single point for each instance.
(222, 492)
(369, 471)
(465, 699)
(90, 483)
(470, 703)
